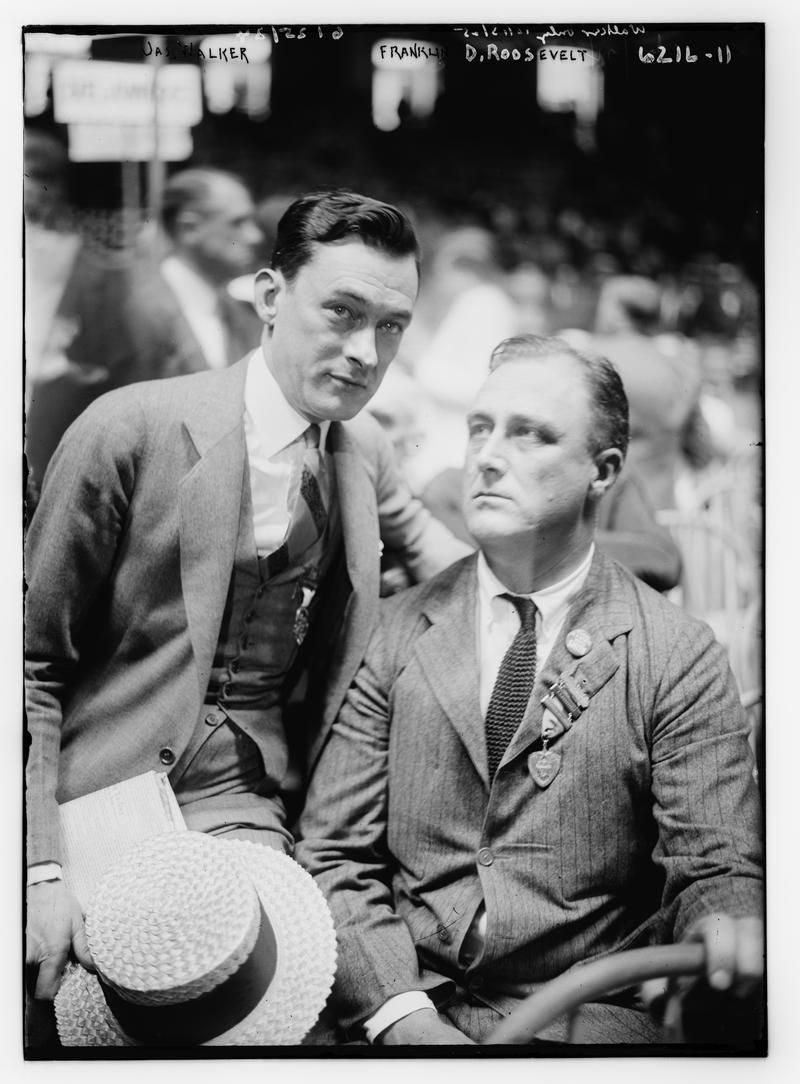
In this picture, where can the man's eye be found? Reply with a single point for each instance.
(478, 430)
(391, 327)
(527, 433)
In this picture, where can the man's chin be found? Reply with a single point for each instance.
(490, 524)
(334, 409)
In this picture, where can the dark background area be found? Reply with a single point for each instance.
(676, 172)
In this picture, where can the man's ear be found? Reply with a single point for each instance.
(269, 285)
(608, 465)
(186, 224)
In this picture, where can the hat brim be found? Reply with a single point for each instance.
(304, 973)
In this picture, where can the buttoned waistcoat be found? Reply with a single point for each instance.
(128, 565)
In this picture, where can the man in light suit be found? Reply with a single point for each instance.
(541, 761)
(206, 545)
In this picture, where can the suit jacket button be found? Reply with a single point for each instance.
(166, 756)
(213, 718)
(485, 856)
(443, 934)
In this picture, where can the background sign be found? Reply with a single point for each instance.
(112, 92)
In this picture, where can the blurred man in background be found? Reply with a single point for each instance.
(183, 317)
(662, 379)
(126, 318)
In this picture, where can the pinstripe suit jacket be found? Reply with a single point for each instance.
(129, 560)
(650, 823)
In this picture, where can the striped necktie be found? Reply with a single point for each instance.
(514, 684)
(309, 516)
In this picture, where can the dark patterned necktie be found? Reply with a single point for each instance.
(309, 516)
(514, 684)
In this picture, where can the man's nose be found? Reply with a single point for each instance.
(252, 234)
(490, 456)
(361, 347)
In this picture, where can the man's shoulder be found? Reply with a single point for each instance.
(153, 399)
(448, 588)
(652, 616)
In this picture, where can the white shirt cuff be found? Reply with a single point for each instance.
(395, 1009)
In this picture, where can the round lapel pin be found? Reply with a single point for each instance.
(579, 643)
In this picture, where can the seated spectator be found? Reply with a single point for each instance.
(466, 309)
(541, 760)
(662, 379)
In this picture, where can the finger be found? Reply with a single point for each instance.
(719, 938)
(80, 948)
(49, 979)
(750, 955)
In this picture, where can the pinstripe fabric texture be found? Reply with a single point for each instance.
(651, 822)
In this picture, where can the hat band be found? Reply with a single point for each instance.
(188, 1023)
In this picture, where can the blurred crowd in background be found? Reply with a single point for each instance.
(114, 296)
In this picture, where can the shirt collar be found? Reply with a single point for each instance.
(549, 601)
(276, 423)
(191, 289)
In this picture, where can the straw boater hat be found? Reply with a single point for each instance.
(199, 940)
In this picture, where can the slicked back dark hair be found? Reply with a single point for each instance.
(325, 217)
(607, 398)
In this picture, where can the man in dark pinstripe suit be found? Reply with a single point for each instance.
(541, 761)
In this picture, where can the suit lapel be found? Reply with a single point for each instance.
(210, 498)
(355, 494)
(447, 653)
(599, 613)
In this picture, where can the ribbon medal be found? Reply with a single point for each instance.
(544, 766)
(300, 628)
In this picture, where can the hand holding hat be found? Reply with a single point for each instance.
(200, 940)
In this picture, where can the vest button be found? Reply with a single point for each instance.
(235, 666)
(443, 934)
(166, 756)
(248, 617)
(485, 856)
(213, 718)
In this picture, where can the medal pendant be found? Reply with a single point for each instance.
(544, 766)
(300, 625)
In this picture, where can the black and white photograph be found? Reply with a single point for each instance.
(393, 519)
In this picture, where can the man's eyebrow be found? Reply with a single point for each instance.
(545, 430)
(343, 293)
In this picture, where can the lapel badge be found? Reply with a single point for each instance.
(579, 642)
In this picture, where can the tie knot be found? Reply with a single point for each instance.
(526, 608)
(312, 436)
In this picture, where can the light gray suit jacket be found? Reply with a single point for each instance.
(651, 821)
(129, 560)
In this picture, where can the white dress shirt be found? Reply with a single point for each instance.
(497, 623)
(199, 303)
(271, 425)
